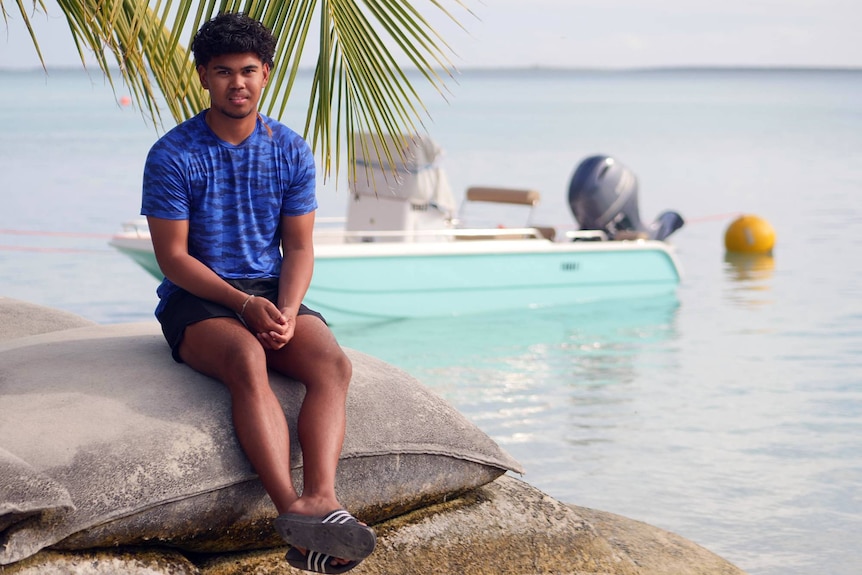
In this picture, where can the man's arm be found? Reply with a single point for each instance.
(297, 245)
(295, 276)
(170, 242)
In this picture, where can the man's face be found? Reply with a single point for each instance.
(235, 82)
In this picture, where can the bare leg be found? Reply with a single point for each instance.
(225, 350)
(315, 358)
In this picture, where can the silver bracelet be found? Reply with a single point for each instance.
(245, 303)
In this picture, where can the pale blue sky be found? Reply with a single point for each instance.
(590, 33)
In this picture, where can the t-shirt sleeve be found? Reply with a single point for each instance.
(300, 197)
(165, 193)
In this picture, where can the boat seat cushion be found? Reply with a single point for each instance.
(502, 195)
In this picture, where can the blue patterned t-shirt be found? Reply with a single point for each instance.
(232, 196)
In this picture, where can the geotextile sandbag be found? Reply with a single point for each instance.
(146, 450)
(20, 319)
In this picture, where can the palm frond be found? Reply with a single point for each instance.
(38, 6)
(357, 85)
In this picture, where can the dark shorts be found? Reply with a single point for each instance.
(183, 309)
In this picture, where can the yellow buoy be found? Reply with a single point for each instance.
(749, 234)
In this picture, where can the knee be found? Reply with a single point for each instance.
(344, 369)
(244, 369)
(337, 372)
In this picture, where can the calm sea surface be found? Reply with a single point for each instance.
(731, 415)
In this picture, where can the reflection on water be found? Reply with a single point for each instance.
(544, 383)
(595, 343)
(749, 278)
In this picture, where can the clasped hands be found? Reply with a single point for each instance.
(273, 327)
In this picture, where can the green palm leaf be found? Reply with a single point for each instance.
(357, 85)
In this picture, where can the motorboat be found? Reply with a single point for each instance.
(404, 250)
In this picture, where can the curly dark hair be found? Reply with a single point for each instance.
(233, 33)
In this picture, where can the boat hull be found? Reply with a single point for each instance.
(382, 281)
(140, 250)
(354, 284)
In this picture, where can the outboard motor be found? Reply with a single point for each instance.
(603, 195)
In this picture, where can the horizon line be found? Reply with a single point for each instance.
(543, 68)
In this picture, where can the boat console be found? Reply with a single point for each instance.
(398, 188)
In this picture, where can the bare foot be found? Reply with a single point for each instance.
(314, 506)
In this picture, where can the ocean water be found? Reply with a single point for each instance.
(730, 414)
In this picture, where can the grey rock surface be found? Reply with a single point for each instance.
(508, 527)
(503, 528)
